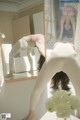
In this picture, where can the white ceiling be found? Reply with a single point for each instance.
(17, 5)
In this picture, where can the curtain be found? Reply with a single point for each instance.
(49, 16)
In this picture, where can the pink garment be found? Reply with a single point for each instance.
(37, 37)
(27, 43)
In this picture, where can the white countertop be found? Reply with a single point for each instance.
(52, 116)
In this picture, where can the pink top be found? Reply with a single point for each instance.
(37, 37)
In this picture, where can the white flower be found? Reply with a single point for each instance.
(74, 102)
(50, 104)
(61, 93)
(60, 97)
(63, 110)
(62, 102)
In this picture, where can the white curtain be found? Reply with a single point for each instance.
(50, 22)
(77, 33)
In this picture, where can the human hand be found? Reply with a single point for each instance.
(30, 116)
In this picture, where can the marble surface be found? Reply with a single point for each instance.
(52, 116)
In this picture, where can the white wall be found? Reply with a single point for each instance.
(15, 99)
(6, 19)
(38, 23)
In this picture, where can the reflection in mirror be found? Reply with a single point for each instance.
(50, 22)
(67, 23)
(60, 21)
(24, 42)
(60, 26)
(2, 37)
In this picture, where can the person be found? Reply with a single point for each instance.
(60, 81)
(59, 77)
(62, 58)
(68, 19)
(41, 62)
(26, 43)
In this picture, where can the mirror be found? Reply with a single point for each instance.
(60, 26)
(18, 20)
(60, 21)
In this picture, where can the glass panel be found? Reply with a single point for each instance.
(60, 21)
(16, 25)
